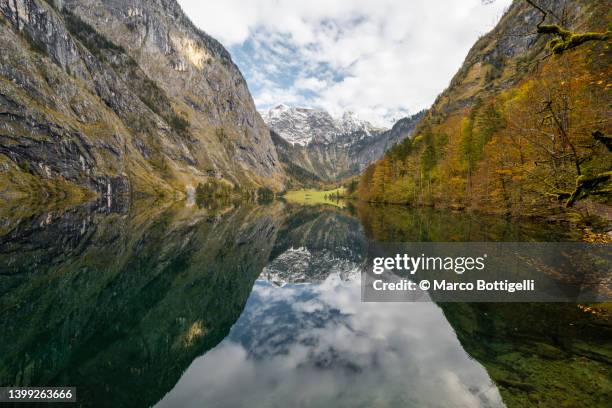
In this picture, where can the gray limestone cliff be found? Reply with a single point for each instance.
(121, 98)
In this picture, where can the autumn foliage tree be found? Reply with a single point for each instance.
(534, 147)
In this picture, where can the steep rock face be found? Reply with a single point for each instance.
(336, 152)
(122, 97)
(491, 65)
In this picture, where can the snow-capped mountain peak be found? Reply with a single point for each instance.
(304, 125)
(350, 123)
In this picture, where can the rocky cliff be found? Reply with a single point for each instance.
(119, 98)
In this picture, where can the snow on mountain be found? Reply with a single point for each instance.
(303, 125)
(301, 266)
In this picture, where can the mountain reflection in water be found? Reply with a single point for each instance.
(318, 345)
(242, 305)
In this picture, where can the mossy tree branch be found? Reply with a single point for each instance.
(564, 39)
(604, 139)
(598, 184)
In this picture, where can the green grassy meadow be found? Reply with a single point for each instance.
(316, 197)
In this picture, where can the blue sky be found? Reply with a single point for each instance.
(382, 59)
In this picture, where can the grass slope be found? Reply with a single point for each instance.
(316, 197)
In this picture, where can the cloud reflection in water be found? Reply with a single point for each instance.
(317, 345)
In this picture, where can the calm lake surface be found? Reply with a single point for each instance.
(240, 305)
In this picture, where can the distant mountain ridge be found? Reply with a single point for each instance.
(315, 147)
(301, 126)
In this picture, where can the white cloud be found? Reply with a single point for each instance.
(380, 59)
(282, 352)
(310, 84)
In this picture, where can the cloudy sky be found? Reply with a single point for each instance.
(382, 59)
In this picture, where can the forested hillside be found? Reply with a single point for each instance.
(524, 126)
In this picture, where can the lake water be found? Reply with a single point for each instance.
(260, 306)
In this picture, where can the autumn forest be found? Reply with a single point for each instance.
(525, 134)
